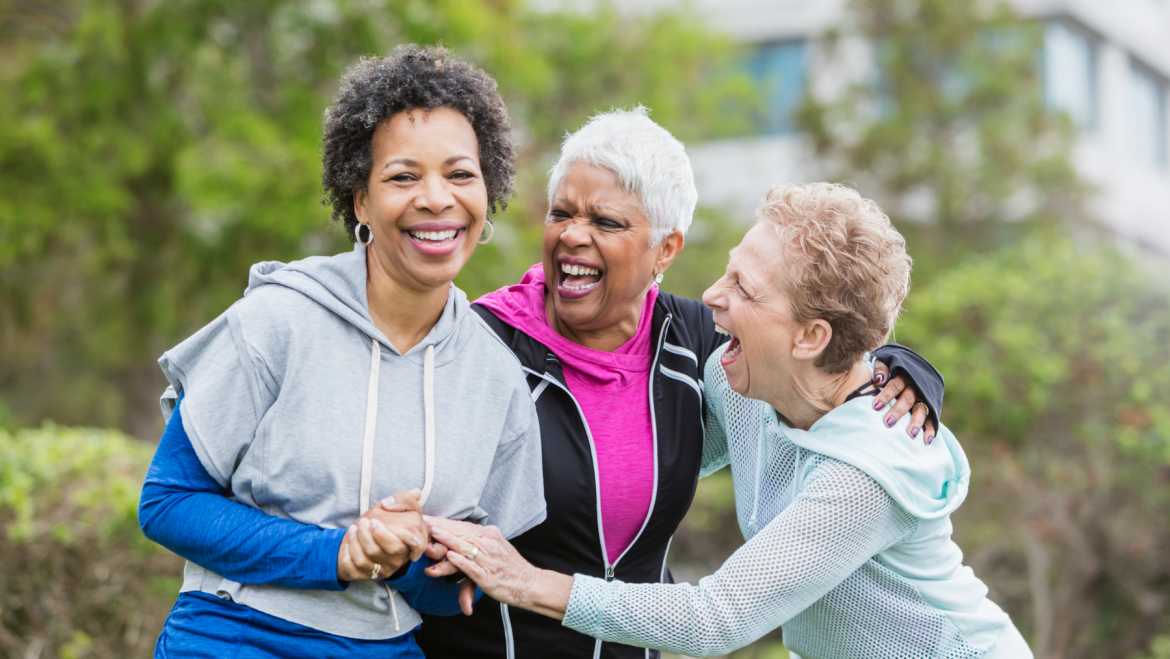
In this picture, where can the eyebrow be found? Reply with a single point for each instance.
(411, 162)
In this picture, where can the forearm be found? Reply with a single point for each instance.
(549, 595)
(241, 543)
(185, 510)
(801, 555)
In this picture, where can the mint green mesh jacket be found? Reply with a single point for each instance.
(848, 547)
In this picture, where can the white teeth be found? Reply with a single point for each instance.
(578, 270)
(439, 236)
(722, 331)
(579, 288)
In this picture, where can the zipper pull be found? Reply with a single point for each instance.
(609, 573)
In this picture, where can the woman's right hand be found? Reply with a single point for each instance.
(482, 553)
(389, 535)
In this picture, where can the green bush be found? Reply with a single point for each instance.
(1057, 360)
(77, 577)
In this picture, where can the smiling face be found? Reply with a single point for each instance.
(750, 305)
(425, 200)
(598, 261)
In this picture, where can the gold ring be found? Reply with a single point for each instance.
(922, 404)
(377, 569)
(472, 553)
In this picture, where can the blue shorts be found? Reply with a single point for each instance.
(203, 626)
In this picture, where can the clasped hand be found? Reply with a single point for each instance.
(390, 534)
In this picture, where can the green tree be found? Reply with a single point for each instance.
(1058, 385)
(150, 152)
(948, 127)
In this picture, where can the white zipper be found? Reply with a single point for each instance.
(654, 431)
(596, 472)
(509, 644)
(609, 567)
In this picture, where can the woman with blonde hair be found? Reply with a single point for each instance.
(847, 523)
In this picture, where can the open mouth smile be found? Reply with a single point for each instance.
(577, 278)
(734, 348)
(436, 239)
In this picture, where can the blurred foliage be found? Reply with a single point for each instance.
(1057, 360)
(1159, 649)
(1059, 388)
(77, 577)
(949, 128)
(150, 152)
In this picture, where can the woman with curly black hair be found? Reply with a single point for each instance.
(316, 394)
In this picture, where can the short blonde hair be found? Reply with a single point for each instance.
(846, 264)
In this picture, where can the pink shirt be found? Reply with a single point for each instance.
(613, 390)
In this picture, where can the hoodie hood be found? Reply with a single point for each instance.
(928, 481)
(338, 283)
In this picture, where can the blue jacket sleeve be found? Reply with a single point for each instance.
(185, 510)
(430, 595)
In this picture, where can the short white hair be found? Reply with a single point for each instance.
(645, 157)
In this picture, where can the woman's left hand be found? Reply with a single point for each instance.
(482, 553)
(905, 397)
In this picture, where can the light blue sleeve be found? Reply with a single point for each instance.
(841, 520)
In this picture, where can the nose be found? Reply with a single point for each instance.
(577, 233)
(434, 195)
(713, 298)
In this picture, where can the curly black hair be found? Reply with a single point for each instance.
(411, 77)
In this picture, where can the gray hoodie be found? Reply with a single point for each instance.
(299, 404)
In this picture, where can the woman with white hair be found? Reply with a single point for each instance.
(847, 524)
(615, 367)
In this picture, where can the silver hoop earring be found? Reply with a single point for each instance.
(357, 233)
(491, 231)
(658, 278)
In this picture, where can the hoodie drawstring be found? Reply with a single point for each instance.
(428, 439)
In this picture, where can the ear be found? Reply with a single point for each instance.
(360, 197)
(811, 339)
(668, 250)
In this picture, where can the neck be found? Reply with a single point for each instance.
(404, 314)
(605, 339)
(811, 393)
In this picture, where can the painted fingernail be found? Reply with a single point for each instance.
(414, 541)
(929, 438)
(890, 422)
(914, 432)
(878, 404)
(364, 523)
(388, 501)
(879, 378)
(375, 524)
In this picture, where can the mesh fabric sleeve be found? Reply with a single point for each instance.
(838, 522)
(715, 453)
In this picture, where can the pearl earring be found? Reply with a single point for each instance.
(658, 278)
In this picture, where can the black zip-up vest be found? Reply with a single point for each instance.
(569, 541)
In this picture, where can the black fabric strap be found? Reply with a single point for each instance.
(861, 391)
(925, 379)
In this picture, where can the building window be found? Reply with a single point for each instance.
(1070, 80)
(1147, 100)
(780, 69)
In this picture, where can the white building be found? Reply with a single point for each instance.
(1106, 63)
